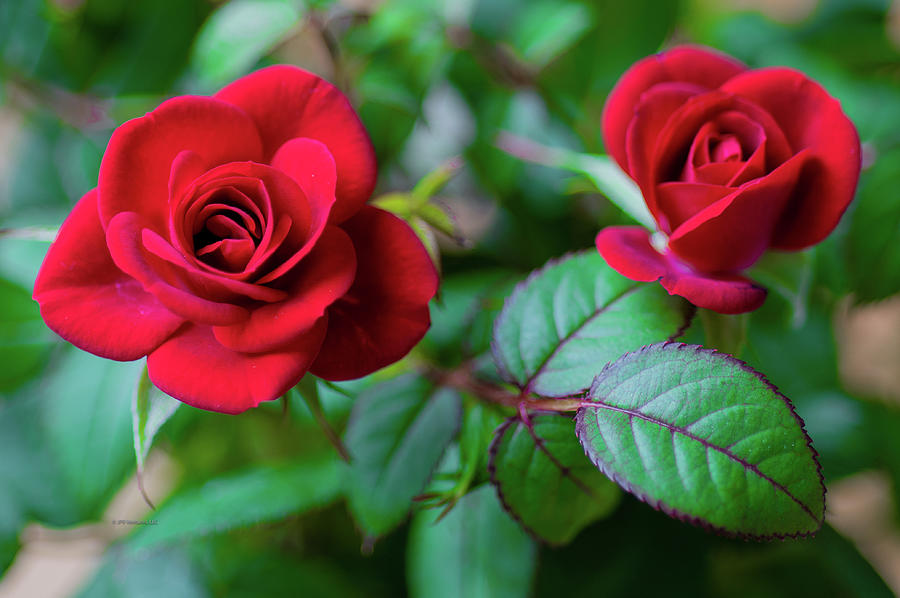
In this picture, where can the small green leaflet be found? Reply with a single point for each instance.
(544, 480)
(476, 551)
(397, 433)
(574, 315)
(150, 409)
(706, 439)
(264, 493)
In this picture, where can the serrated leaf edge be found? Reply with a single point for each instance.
(663, 507)
(494, 448)
(689, 312)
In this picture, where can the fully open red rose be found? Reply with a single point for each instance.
(731, 162)
(228, 239)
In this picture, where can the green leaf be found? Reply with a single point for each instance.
(612, 182)
(544, 480)
(238, 34)
(601, 170)
(789, 275)
(873, 241)
(263, 493)
(547, 29)
(87, 421)
(127, 573)
(568, 319)
(255, 566)
(476, 551)
(480, 420)
(706, 439)
(31, 483)
(24, 339)
(466, 463)
(397, 433)
(150, 409)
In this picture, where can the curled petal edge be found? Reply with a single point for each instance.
(628, 251)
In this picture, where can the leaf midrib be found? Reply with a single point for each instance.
(565, 472)
(526, 386)
(706, 444)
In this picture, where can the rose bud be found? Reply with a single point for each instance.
(229, 241)
(731, 162)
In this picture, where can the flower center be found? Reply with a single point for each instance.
(725, 148)
(226, 230)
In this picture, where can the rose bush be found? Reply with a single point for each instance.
(731, 162)
(229, 241)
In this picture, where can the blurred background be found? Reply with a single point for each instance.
(433, 80)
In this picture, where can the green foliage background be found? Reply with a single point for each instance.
(255, 505)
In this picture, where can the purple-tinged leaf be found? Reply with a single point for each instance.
(574, 315)
(544, 480)
(706, 439)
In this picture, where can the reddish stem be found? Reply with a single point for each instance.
(464, 380)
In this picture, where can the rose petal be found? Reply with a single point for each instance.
(813, 120)
(92, 304)
(323, 277)
(725, 294)
(123, 237)
(732, 133)
(311, 166)
(308, 106)
(753, 168)
(137, 165)
(263, 192)
(717, 173)
(671, 142)
(194, 368)
(733, 232)
(385, 313)
(680, 201)
(628, 251)
(651, 116)
(208, 286)
(699, 66)
(186, 167)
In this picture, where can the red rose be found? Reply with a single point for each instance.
(731, 162)
(229, 241)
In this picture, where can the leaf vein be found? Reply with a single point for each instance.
(709, 446)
